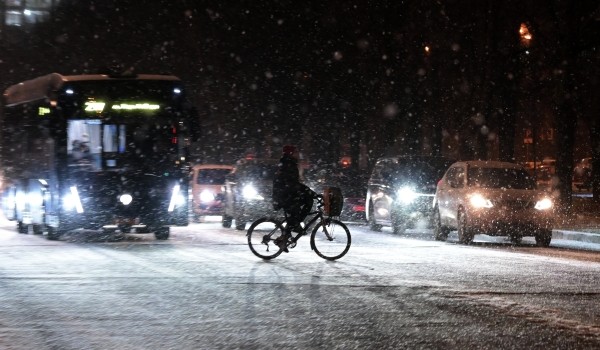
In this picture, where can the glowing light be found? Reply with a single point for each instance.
(406, 195)
(544, 204)
(207, 196)
(126, 199)
(479, 201)
(91, 106)
(382, 212)
(174, 198)
(72, 200)
(43, 110)
(250, 192)
(525, 34)
(143, 106)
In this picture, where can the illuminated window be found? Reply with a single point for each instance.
(24, 12)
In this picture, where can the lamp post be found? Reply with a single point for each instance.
(525, 38)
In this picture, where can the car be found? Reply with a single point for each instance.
(582, 174)
(207, 182)
(400, 191)
(354, 192)
(248, 191)
(493, 198)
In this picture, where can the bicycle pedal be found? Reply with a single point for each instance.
(292, 245)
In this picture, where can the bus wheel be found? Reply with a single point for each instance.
(162, 233)
(54, 233)
(38, 229)
(22, 228)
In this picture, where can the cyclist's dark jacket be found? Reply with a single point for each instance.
(289, 193)
(286, 182)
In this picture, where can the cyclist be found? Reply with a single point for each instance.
(290, 194)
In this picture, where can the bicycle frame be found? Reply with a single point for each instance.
(318, 222)
(318, 217)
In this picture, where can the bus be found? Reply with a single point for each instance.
(97, 152)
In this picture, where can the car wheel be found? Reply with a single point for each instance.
(398, 224)
(515, 238)
(162, 233)
(465, 234)
(440, 232)
(373, 225)
(543, 238)
(240, 224)
(226, 221)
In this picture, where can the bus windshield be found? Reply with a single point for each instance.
(94, 145)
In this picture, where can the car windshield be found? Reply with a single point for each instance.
(422, 173)
(212, 176)
(500, 178)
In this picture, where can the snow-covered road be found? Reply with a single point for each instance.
(204, 289)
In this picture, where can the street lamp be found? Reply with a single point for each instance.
(525, 35)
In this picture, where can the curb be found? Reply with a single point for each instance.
(576, 236)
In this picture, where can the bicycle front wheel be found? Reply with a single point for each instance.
(261, 238)
(330, 239)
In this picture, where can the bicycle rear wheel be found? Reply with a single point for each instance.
(261, 238)
(330, 239)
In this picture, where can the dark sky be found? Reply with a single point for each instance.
(290, 65)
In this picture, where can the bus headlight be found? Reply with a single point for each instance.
(72, 200)
(177, 198)
(126, 199)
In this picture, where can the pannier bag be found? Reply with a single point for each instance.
(333, 201)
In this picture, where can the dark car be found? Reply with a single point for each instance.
(400, 191)
(248, 191)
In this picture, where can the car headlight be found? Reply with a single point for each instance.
(544, 204)
(207, 196)
(406, 195)
(479, 201)
(250, 192)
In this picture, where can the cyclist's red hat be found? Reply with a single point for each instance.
(289, 149)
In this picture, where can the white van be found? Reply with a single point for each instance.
(207, 189)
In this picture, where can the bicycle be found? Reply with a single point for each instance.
(330, 238)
